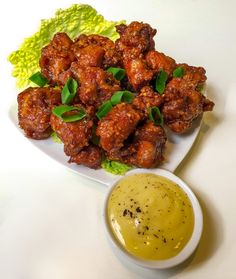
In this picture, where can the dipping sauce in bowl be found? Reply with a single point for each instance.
(152, 218)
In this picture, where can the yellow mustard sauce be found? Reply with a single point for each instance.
(150, 216)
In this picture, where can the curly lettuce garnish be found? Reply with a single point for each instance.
(115, 167)
(74, 20)
(55, 138)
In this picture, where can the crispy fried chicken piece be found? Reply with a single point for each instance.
(138, 72)
(95, 85)
(116, 126)
(182, 104)
(90, 56)
(34, 110)
(193, 74)
(90, 156)
(74, 135)
(56, 58)
(146, 150)
(135, 39)
(146, 99)
(105, 50)
(157, 61)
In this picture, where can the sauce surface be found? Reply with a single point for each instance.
(150, 216)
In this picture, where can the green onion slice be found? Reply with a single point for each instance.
(95, 139)
(118, 73)
(38, 79)
(69, 91)
(178, 72)
(104, 109)
(61, 110)
(160, 83)
(200, 87)
(155, 115)
(122, 96)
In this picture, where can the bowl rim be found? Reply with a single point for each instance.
(191, 245)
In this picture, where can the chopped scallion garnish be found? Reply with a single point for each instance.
(95, 139)
(104, 109)
(118, 73)
(178, 72)
(155, 115)
(61, 110)
(69, 91)
(122, 96)
(38, 79)
(160, 83)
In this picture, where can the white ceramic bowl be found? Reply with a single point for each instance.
(190, 246)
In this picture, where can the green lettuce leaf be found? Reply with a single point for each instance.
(77, 19)
(55, 138)
(115, 167)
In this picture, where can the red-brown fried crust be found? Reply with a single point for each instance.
(34, 110)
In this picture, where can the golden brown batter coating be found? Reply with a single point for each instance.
(194, 74)
(110, 56)
(116, 126)
(95, 85)
(146, 99)
(137, 36)
(90, 156)
(34, 111)
(74, 135)
(135, 40)
(182, 104)
(146, 149)
(159, 61)
(56, 58)
(90, 56)
(138, 72)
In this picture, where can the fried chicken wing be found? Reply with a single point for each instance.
(135, 39)
(196, 75)
(146, 149)
(159, 61)
(116, 126)
(90, 56)
(56, 58)
(95, 85)
(74, 135)
(105, 50)
(90, 156)
(146, 99)
(182, 104)
(138, 72)
(34, 111)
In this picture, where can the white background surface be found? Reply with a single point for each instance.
(50, 218)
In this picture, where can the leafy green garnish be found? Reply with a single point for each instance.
(155, 116)
(69, 91)
(122, 96)
(55, 138)
(118, 73)
(115, 167)
(61, 111)
(38, 79)
(160, 83)
(200, 87)
(178, 72)
(104, 109)
(75, 20)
